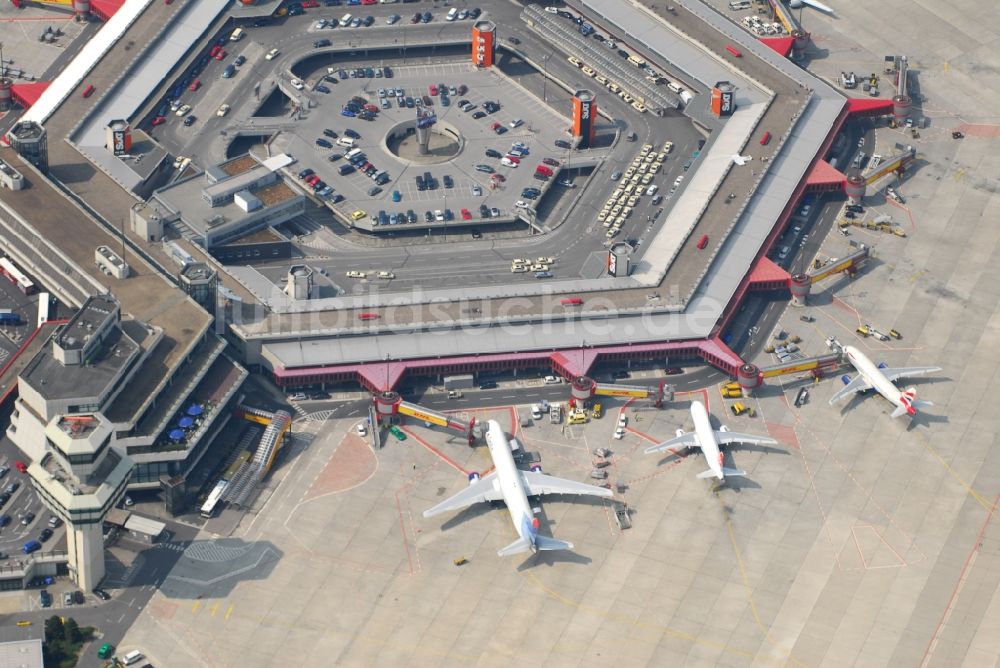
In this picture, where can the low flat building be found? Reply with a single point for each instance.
(230, 200)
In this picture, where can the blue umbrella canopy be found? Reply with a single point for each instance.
(185, 422)
(194, 410)
(176, 434)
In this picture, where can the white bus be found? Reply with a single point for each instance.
(738, 5)
(43, 308)
(213, 499)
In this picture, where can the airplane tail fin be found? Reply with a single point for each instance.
(546, 543)
(908, 403)
(911, 408)
(518, 546)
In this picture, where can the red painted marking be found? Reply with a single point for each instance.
(961, 579)
(402, 528)
(866, 562)
(783, 433)
(350, 465)
(437, 452)
(980, 130)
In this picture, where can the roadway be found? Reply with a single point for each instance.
(418, 390)
(145, 574)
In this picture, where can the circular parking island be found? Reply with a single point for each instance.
(444, 143)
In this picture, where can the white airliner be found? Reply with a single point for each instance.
(796, 4)
(880, 378)
(514, 486)
(709, 440)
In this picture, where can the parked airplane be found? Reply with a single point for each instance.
(513, 487)
(880, 378)
(796, 4)
(709, 440)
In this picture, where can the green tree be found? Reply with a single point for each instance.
(72, 631)
(54, 631)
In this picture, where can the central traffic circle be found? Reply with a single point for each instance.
(444, 143)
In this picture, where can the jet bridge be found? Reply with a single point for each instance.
(783, 14)
(879, 174)
(901, 101)
(750, 376)
(389, 404)
(801, 284)
(876, 175)
(584, 388)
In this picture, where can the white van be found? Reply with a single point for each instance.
(132, 657)
(346, 142)
(452, 14)
(237, 35)
(353, 152)
(345, 20)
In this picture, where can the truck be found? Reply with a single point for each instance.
(622, 516)
(555, 413)
(8, 317)
(731, 391)
(802, 397)
(877, 334)
(739, 408)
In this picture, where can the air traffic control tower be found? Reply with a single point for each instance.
(81, 477)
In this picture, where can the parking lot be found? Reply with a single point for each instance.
(20, 504)
(465, 181)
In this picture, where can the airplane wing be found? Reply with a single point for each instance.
(688, 440)
(537, 484)
(485, 489)
(818, 5)
(727, 437)
(906, 372)
(859, 384)
(815, 4)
